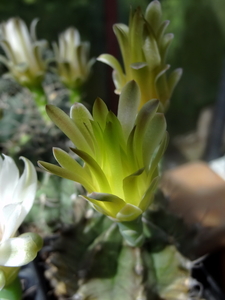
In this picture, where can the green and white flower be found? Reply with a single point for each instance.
(72, 58)
(24, 52)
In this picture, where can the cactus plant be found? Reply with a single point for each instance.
(116, 250)
(122, 255)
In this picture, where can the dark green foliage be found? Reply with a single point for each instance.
(199, 51)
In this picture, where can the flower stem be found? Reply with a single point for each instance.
(40, 99)
(12, 291)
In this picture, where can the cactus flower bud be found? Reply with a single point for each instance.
(144, 47)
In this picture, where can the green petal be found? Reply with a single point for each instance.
(115, 146)
(80, 114)
(100, 112)
(38, 59)
(153, 15)
(97, 172)
(70, 164)
(131, 150)
(159, 154)
(136, 25)
(82, 118)
(145, 115)
(131, 187)
(129, 213)
(113, 123)
(164, 45)
(122, 31)
(33, 29)
(162, 86)
(66, 174)
(128, 106)
(99, 142)
(67, 125)
(153, 136)
(114, 63)
(108, 204)
(149, 195)
(118, 84)
(162, 29)
(151, 52)
(145, 81)
(173, 79)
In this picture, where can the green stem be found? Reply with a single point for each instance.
(12, 291)
(40, 99)
(132, 232)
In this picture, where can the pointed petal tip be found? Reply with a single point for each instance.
(179, 71)
(101, 57)
(56, 149)
(48, 107)
(40, 164)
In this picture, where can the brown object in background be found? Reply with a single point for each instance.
(197, 194)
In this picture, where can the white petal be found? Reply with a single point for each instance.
(16, 195)
(25, 190)
(9, 216)
(15, 29)
(16, 252)
(9, 176)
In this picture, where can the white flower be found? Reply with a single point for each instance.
(23, 51)
(16, 199)
(72, 58)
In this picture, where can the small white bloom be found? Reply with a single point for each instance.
(17, 195)
(23, 51)
(72, 58)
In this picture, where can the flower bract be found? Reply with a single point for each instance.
(120, 153)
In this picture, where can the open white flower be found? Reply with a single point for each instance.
(16, 199)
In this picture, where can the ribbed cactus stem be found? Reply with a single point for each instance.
(132, 232)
